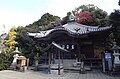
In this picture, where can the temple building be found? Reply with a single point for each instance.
(82, 41)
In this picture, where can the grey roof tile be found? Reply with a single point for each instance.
(72, 28)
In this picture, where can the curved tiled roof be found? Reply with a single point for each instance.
(72, 28)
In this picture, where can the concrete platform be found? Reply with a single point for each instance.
(94, 74)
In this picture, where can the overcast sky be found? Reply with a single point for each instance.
(24, 12)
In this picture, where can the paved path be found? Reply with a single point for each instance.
(7, 74)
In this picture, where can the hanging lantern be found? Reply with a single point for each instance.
(72, 46)
(63, 46)
(67, 46)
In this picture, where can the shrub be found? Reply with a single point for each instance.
(4, 61)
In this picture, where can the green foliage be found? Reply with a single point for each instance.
(27, 45)
(99, 16)
(4, 61)
(66, 18)
(115, 22)
(45, 22)
(23, 41)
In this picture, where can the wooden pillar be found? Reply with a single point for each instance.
(78, 53)
(52, 57)
(59, 63)
(45, 59)
(49, 68)
(62, 57)
(76, 41)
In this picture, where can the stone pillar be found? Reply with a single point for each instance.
(27, 63)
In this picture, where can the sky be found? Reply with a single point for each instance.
(25, 12)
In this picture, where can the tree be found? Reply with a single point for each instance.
(10, 40)
(89, 15)
(23, 41)
(99, 16)
(45, 22)
(27, 46)
(66, 18)
(115, 22)
(4, 61)
(84, 17)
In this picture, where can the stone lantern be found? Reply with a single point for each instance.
(16, 52)
(116, 54)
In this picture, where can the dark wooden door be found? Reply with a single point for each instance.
(87, 51)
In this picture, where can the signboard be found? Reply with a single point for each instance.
(107, 55)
